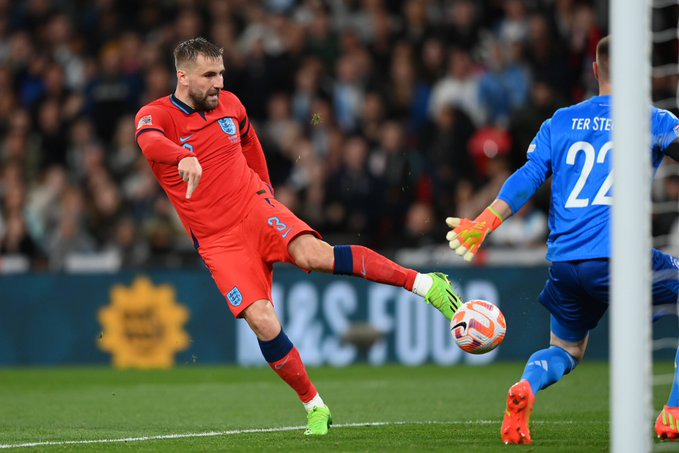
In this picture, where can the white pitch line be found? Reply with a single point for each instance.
(266, 430)
(663, 379)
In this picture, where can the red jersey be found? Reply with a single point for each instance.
(227, 147)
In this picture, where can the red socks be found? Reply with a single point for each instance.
(291, 369)
(362, 262)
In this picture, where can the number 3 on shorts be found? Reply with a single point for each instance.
(279, 226)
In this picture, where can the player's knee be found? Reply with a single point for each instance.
(312, 254)
(574, 349)
(262, 319)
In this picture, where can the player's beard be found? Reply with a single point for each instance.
(204, 102)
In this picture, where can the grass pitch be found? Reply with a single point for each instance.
(221, 408)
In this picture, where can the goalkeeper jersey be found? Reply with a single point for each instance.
(575, 147)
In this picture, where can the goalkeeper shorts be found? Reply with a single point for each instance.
(577, 292)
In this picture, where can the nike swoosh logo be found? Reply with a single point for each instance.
(278, 367)
(183, 139)
(459, 324)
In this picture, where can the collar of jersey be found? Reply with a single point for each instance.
(181, 105)
(606, 98)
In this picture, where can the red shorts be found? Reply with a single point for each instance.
(241, 260)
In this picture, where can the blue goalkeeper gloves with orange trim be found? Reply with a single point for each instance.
(468, 235)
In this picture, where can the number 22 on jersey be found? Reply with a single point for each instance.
(591, 158)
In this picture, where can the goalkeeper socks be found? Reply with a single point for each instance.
(547, 366)
(674, 394)
(283, 357)
(362, 262)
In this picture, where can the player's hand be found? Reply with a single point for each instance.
(467, 235)
(190, 171)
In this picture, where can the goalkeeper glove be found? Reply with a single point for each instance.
(468, 235)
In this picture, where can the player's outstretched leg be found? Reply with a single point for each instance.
(363, 262)
(310, 253)
(667, 424)
(442, 295)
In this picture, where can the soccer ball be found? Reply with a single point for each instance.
(478, 327)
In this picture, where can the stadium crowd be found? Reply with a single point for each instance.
(378, 117)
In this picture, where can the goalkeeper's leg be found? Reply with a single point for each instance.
(544, 368)
(667, 423)
(313, 254)
(665, 296)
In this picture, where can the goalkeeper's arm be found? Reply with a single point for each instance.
(467, 235)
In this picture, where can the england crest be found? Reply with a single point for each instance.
(228, 126)
(235, 297)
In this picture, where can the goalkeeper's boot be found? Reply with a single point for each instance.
(319, 420)
(442, 296)
(667, 424)
(520, 401)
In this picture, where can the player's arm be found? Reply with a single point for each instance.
(252, 148)
(467, 235)
(157, 147)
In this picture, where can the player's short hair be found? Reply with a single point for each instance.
(187, 51)
(602, 57)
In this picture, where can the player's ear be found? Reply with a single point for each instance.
(595, 68)
(182, 77)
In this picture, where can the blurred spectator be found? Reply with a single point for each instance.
(459, 88)
(419, 226)
(112, 92)
(42, 210)
(446, 142)
(525, 122)
(69, 235)
(464, 30)
(353, 193)
(504, 87)
(348, 93)
(546, 56)
(407, 96)
(497, 171)
(399, 168)
(16, 240)
(133, 250)
(514, 26)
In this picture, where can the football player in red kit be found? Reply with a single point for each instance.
(208, 159)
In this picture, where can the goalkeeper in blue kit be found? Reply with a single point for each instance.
(575, 147)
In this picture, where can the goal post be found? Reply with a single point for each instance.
(631, 240)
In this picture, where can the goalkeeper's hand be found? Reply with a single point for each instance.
(468, 235)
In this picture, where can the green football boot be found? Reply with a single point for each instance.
(318, 421)
(442, 296)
